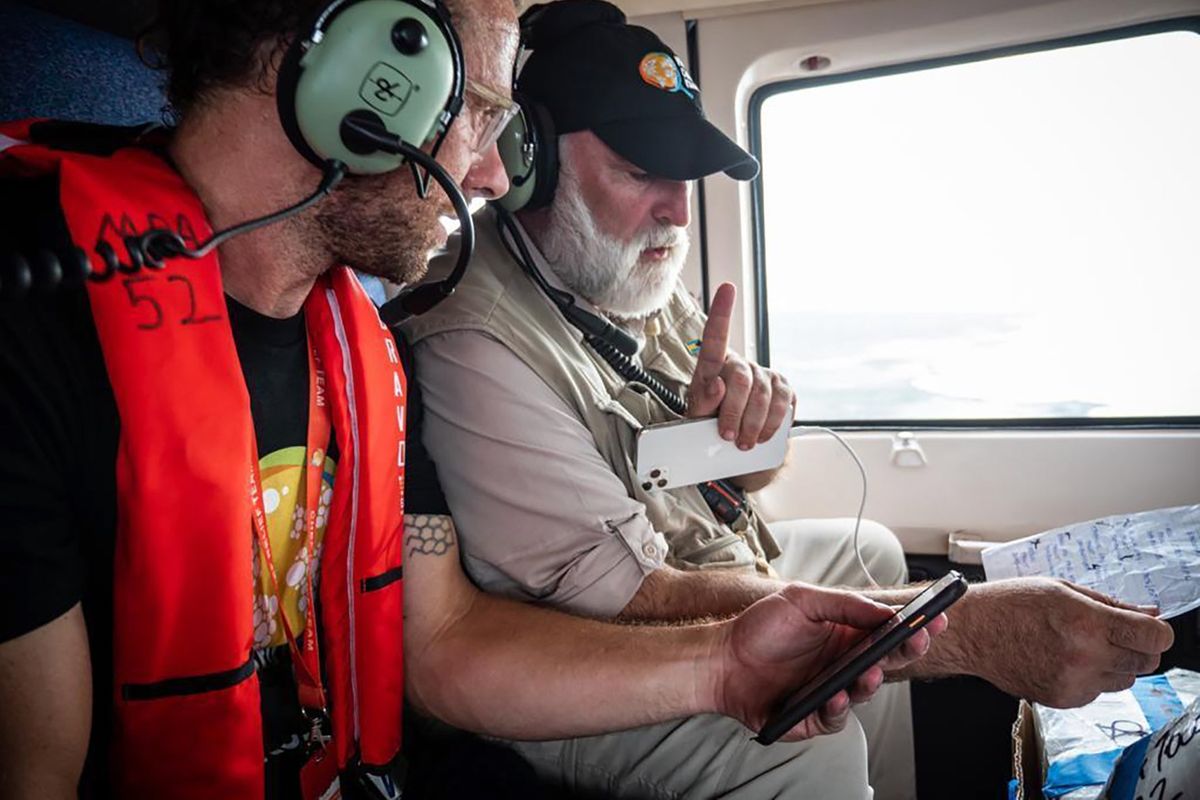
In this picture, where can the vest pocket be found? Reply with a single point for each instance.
(378, 647)
(700, 557)
(155, 744)
(191, 684)
(384, 579)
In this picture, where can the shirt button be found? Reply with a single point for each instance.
(650, 550)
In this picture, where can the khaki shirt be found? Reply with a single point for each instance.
(545, 516)
(535, 445)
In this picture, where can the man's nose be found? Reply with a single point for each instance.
(486, 178)
(673, 206)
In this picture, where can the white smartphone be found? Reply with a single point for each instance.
(690, 451)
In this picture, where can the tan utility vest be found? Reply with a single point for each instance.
(497, 298)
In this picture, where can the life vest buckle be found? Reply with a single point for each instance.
(318, 720)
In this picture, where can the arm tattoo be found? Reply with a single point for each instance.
(428, 534)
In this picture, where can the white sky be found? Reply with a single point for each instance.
(1070, 176)
(1063, 186)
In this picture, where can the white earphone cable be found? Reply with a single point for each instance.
(801, 430)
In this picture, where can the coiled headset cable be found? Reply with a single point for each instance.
(617, 348)
(631, 371)
(47, 270)
(614, 345)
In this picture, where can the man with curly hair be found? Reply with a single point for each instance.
(201, 592)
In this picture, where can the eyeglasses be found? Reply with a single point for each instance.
(487, 112)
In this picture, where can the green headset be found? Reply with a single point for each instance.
(529, 144)
(369, 84)
(394, 66)
(529, 151)
(362, 90)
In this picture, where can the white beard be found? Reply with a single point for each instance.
(609, 273)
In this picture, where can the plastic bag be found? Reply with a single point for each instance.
(1081, 746)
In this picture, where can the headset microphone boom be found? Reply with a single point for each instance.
(361, 91)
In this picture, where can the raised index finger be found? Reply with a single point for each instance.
(714, 342)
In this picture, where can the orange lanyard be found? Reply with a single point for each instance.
(306, 661)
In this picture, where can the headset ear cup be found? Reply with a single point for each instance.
(545, 159)
(517, 146)
(285, 101)
(400, 60)
(529, 151)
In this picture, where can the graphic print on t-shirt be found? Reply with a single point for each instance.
(283, 499)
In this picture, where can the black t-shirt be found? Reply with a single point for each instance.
(59, 430)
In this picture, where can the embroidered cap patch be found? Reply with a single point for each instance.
(664, 71)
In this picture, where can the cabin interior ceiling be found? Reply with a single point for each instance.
(128, 17)
(703, 8)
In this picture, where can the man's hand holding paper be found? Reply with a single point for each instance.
(1146, 559)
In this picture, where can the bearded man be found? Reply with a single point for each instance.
(207, 586)
(533, 426)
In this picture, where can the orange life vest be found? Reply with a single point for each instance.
(187, 717)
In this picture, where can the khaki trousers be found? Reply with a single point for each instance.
(714, 757)
(705, 757)
(821, 551)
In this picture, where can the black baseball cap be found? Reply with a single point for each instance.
(591, 70)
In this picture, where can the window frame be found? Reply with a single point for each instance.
(758, 237)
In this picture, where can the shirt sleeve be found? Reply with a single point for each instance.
(540, 513)
(422, 489)
(47, 399)
(41, 560)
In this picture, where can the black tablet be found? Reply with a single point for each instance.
(858, 659)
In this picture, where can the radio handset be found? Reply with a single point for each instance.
(593, 325)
